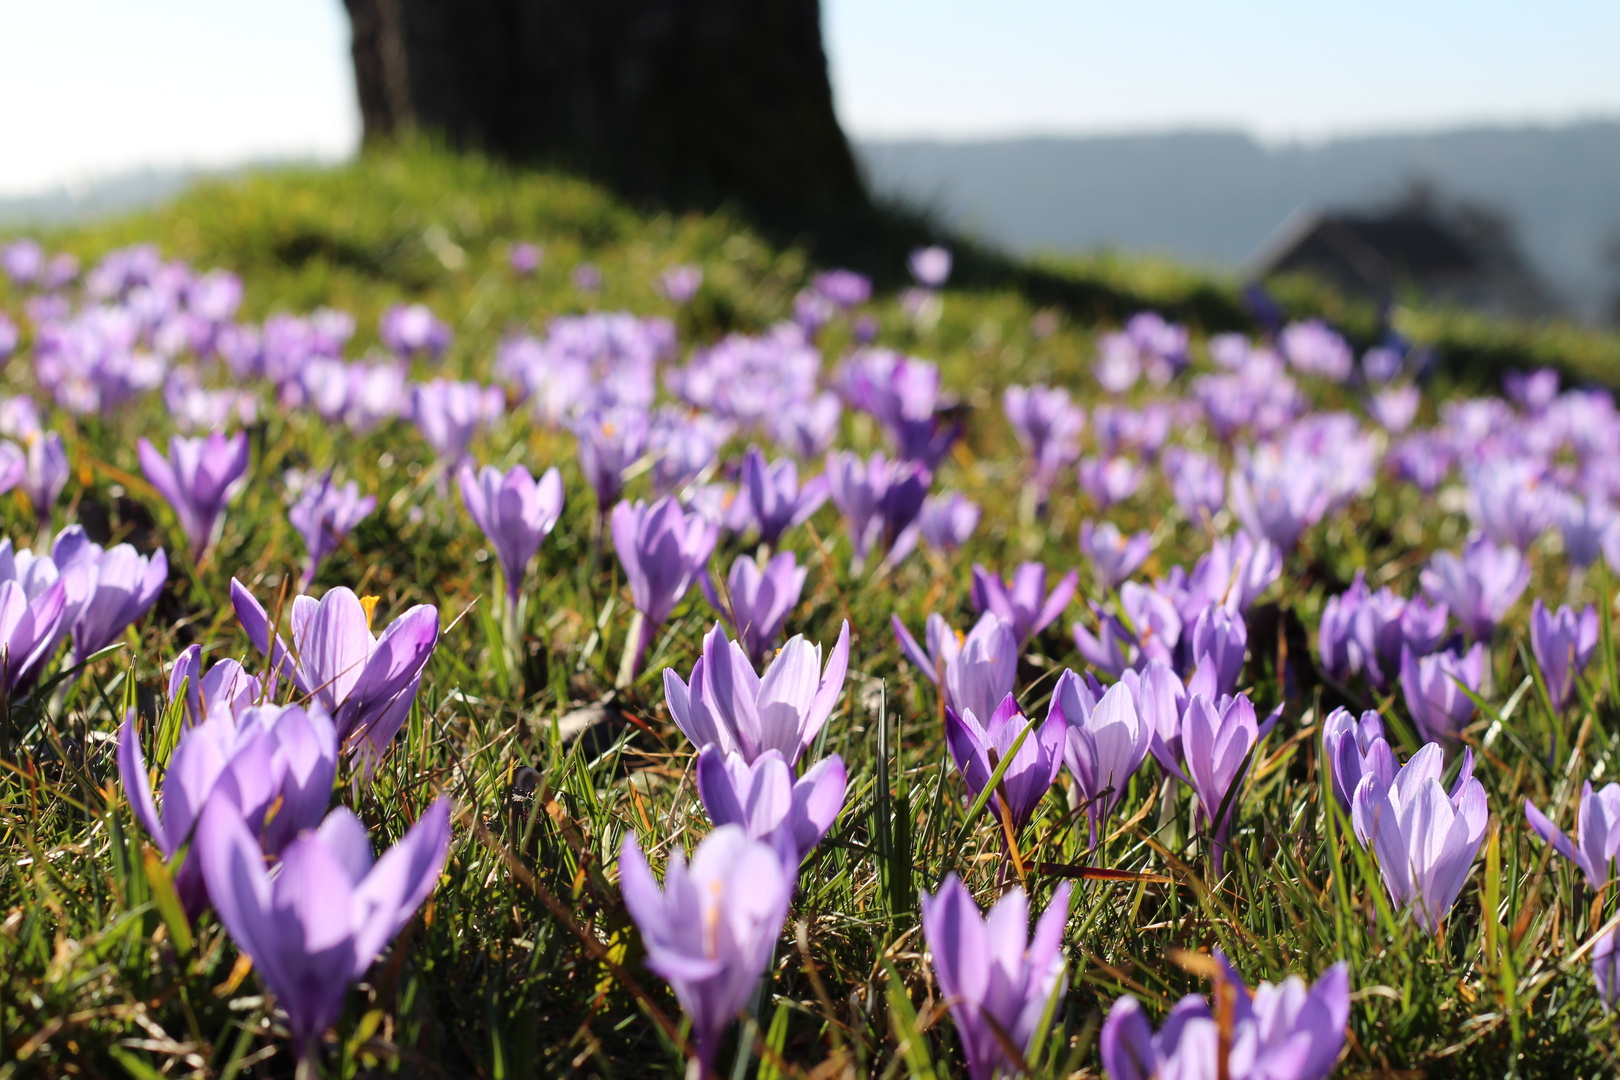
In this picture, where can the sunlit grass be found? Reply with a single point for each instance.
(490, 980)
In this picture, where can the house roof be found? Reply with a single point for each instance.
(1374, 251)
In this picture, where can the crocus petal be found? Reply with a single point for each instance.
(914, 652)
(399, 882)
(1127, 1042)
(137, 786)
(818, 799)
(256, 624)
(827, 691)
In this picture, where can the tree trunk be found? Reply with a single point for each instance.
(690, 102)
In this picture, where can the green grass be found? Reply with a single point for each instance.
(490, 981)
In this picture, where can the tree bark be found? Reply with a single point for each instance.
(691, 102)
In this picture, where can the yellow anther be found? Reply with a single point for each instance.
(711, 920)
(369, 603)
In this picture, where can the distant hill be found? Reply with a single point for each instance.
(119, 193)
(127, 191)
(1212, 197)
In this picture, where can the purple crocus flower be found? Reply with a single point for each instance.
(1479, 586)
(711, 930)
(524, 258)
(904, 394)
(46, 473)
(1105, 742)
(1511, 502)
(1311, 347)
(1422, 626)
(377, 393)
(976, 672)
(30, 625)
(845, 288)
(1533, 392)
(273, 757)
(1109, 480)
(757, 601)
(112, 588)
(680, 284)
(516, 513)
(1278, 496)
(610, 440)
(1113, 556)
(661, 548)
(197, 479)
(1000, 981)
(947, 520)
(225, 688)
(61, 271)
(323, 515)
(409, 330)
(448, 413)
(931, 266)
(1342, 651)
(978, 748)
(1563, 643)
(763, 796)
(1283, 1032)
(807, 428)
(1119, 363)
(1425, 839)
(367, 683)
(1157, 621)
(1048, 428)
(316, 926)
(722, 504)
(1023, 603)
(1395, 407)
(20, 418)
(1423, 458)
(812, 311)
(1365, 631)
(1433, 695)
(1161, 698)
(1606, 969)
(1235, 572)
(1354, 748)
(1112, 649)
(24, 262)
(879, 499)
(1584, 523)
(1216, 738)
(726, 704)
(1162, 345)
(1221, 637)
(587, 277)
(778, 500)
(683, 446)
(1597, 833)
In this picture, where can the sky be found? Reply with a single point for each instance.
(95, 88)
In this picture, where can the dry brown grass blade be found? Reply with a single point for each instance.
(1103, 873)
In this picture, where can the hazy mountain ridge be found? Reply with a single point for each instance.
(127, 191)
(1212, 197)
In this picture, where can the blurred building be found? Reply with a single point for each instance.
(1461, 254)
